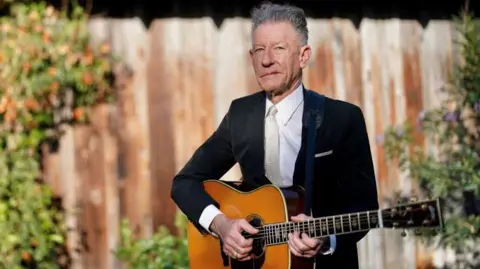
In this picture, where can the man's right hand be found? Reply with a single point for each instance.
(229, 230)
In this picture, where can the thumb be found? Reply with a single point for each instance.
(244, 225)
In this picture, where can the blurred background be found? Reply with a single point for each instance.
(102, 102)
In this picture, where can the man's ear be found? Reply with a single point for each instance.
(305, 54)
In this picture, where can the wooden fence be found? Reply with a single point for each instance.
(183, 75)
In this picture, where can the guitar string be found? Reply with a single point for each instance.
(293, 226)
(316, 233)
(320, 221)
(271, 233)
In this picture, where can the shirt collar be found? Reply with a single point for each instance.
(288, 105)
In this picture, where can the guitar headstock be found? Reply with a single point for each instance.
(426, 214)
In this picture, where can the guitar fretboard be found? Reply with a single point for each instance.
(274, 234)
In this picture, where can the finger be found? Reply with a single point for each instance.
(230, 251)
(298, 217)
(301, 217)
(245, 226)
(309, 254)
(310, 242)
(240, 250)
(299, 243)
(293, 249)
(245, 258)
(241, 241)
(292, 244)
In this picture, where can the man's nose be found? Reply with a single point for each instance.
(267, 58)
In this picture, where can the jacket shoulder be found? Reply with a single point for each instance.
(247, 102)
(340, 106)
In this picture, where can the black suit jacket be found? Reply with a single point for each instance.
(344, 181)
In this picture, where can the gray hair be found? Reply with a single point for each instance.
(268, 12)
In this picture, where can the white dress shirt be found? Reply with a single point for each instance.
(289, 118)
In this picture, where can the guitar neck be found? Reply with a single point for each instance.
(277, 233)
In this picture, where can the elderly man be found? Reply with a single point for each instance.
(264, 133)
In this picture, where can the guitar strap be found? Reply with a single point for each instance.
(315, 105)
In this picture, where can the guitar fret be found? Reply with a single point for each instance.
(271, 234)
(268, 235)
(359, 223)
(350, 221)
(341, 222)
(368, 219)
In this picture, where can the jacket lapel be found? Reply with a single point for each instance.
(255, 133)
(299, 173)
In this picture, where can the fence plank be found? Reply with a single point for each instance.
(70, 194)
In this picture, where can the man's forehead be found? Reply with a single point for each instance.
(275, 32)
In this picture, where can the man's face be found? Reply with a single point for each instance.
(277, 56)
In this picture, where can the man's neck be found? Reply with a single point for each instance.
(276, 98)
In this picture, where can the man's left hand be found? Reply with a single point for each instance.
(303, 245)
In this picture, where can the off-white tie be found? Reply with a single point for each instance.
(272, 148)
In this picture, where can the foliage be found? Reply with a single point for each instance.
(449, 167)
(49, 77)
(161, 251)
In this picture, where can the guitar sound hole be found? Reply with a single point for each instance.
(258, 246)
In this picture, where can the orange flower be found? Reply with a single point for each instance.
(31, 104)
(52, 71)
(54, 86)
(38, 28)
(25, 256)
(87, 78)
(88, 58)
(34, 243)
(11, 114)
(78, 113)
(26, 67)
(46, 38)
(3, 104)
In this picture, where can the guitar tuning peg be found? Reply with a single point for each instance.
(404, 233)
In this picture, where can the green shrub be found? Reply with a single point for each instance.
(161, 251)
(50, 76)
(450, 167)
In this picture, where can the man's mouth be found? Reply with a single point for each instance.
(269, 74)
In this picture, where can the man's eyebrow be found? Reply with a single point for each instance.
(274, 44)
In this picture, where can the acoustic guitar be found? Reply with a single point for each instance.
(269, 208)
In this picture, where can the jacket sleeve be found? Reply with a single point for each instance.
(210, 161)
(359, 182)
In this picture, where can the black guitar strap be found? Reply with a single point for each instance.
(315, 104)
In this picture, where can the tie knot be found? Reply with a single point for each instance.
(272, 111)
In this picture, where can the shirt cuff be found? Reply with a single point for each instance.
(207, 216)
(333, 245)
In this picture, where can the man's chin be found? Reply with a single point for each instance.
(270, 87)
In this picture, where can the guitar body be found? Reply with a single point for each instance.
(263, 205)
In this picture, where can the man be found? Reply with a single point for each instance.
(264, 133)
